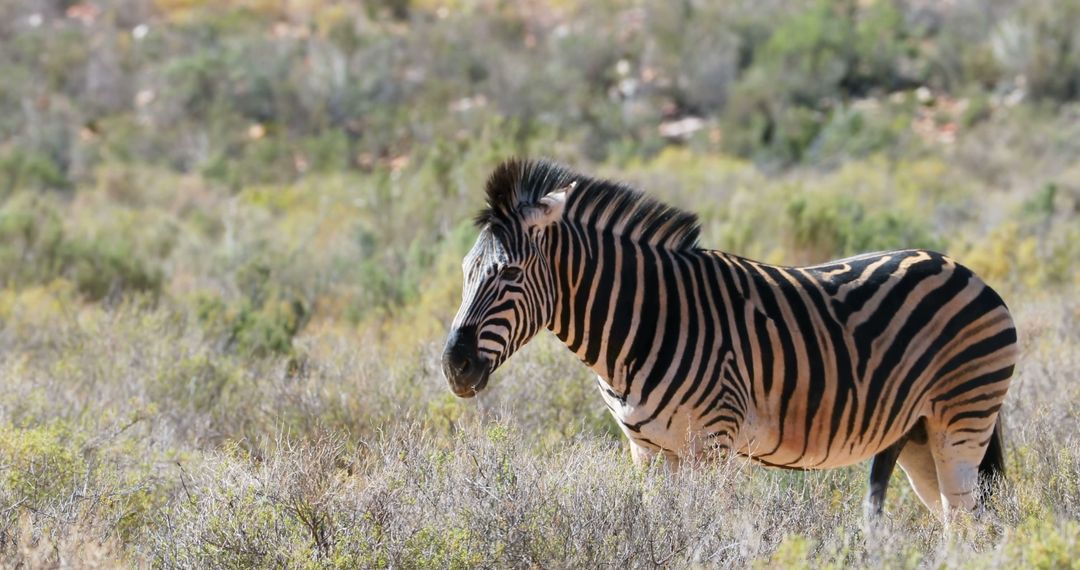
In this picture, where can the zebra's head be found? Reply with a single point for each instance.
(509, 290)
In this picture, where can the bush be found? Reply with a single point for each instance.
(252, 327)
(41, 464)
(29, 171)
(104, 267)
(835, 227)
(35, 248)
(231, 242)
(815, 60)
(1040, 43)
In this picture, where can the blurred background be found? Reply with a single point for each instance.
(223, 224)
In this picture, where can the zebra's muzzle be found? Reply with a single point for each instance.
(465, 371)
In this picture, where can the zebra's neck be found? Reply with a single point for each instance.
(639, 315)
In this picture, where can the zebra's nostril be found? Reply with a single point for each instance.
(459, 363)
(459, 359)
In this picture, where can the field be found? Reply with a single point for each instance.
(230, 245)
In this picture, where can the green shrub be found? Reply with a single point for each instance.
(246, 329)
(29, 171)
(814, 60)
(838, 226)
(856, 133)
(41, 464)
(196, 382)
(1044, 544)
(1041, 43)
(31, 240)
(262, 321)
(103, 266)
(35, 248)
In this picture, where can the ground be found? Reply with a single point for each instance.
(230, 245)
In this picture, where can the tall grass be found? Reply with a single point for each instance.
(230, 243)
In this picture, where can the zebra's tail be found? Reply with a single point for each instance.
(992, 468)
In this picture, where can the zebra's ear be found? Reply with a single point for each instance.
(549, 209)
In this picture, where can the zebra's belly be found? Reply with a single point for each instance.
(761, 441)
(684, 433)
(796, 459)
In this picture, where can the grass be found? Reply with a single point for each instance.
(117, 449)
(230, 245)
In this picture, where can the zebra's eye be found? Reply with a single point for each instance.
(510, 273)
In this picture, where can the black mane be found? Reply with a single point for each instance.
(516, 184)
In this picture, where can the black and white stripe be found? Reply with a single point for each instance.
(901, 356)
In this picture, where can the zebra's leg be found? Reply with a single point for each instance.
(641, 455)
(957, 457)
(918, 464)
(672, 462)
(880, 472)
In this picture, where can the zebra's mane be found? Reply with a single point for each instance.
(599, 204)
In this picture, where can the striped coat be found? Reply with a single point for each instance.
(904, 357)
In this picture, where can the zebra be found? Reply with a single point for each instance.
(899, 356)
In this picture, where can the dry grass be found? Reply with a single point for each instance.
(373, 465)
(229, 251)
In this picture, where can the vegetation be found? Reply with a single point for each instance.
(230, 237)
